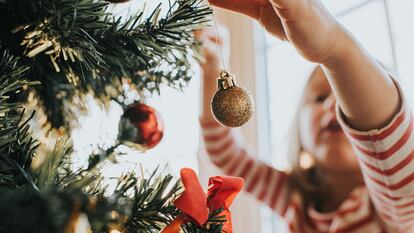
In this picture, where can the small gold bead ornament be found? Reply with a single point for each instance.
(232, 106)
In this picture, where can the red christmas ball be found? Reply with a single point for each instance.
(141, 126)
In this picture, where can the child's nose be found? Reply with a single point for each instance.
(330, 103)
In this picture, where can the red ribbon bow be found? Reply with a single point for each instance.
(196, 205)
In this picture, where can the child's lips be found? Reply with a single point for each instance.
(333, 127)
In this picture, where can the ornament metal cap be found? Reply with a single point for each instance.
(226, 80)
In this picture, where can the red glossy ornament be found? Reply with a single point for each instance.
(141, 126)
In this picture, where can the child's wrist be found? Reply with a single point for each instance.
(210, 70)
(342, 49)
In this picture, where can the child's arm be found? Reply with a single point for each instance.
(387, 158)
(366, 94)
(264, 182)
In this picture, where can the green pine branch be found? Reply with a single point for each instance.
(152, 207)
(54, 169)
(17, 146)
(95, 51)
(214, 224)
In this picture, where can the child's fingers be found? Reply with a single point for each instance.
(198, 34)
(215, 39)
(247, 7)
(204, 33)
(210, 48)
(210, 35)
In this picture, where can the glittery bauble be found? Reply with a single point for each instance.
(232, 106)
(141, 127)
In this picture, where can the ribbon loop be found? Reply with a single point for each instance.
(193, 201)
(222, 191)
(196, 205)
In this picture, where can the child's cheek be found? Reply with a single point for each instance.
(308, 127)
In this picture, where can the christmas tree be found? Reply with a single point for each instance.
(54, 53)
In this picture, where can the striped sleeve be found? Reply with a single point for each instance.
(264, 182)
(387, 162)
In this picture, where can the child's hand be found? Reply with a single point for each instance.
(304, 23)
(210, 51)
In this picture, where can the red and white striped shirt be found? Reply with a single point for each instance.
(384, 204)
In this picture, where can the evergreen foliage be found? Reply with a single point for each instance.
(77, 47)
(62, 50)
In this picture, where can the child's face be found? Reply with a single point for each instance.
(320, 133)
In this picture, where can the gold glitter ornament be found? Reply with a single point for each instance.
(232, 106)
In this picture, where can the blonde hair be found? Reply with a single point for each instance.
(304, 180)
(294, 148)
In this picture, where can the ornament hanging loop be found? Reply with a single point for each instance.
(224, 74)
